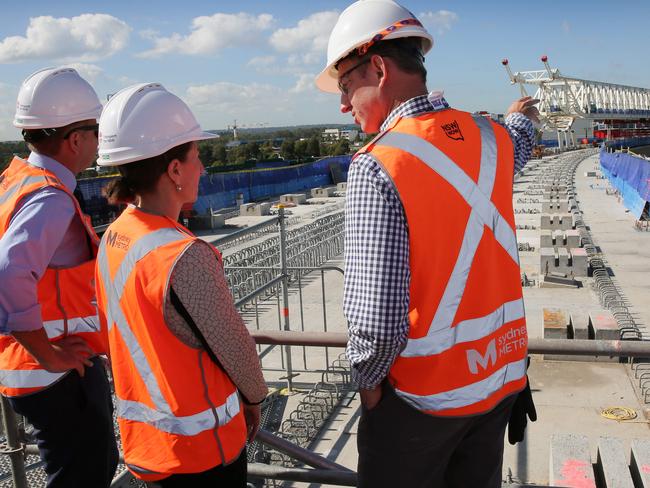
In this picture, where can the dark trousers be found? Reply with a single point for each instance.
(233, 475)
(73, 425)
(401, 446)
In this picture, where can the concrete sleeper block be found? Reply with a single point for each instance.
(570, 462)
(611, 464)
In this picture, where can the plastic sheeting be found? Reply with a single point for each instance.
(630, 176)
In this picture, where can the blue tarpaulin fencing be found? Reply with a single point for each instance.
(630, 176)
(219, 190)
(629, 142)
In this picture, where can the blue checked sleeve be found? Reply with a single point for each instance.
(377, 275)
(522, 134)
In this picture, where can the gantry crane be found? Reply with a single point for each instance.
(563, 99)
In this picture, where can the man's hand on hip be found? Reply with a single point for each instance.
(525, 106)
(370, 398)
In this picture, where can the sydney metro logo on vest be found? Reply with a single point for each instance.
(510, 341)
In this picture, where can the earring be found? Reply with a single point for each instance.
(179, 187)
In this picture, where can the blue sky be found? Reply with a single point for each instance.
(254, 61)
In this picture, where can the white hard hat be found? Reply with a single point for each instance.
(55, 97)
(143, 121)
(359, 24)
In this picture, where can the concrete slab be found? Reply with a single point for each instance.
(572, 238)
(603, 325)
(570, 463)
(640, 462)
(296, 198)
(323, 192)
(564, 266)
(579, 325)
(547, 260)
(612, 464)
(579, 262)
(546, 238)
(256, 209)
(556, 322)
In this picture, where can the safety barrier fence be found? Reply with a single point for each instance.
(630, 175)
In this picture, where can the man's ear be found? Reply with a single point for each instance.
(378, 65)
(73, 141)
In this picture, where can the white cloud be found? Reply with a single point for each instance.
(210, 35)
(307, 41)
(261, 62)
(7, 108)
(438, 22)
(305, 83)
(86, 37)
(235, 99)
(216, 105)
(89, 72)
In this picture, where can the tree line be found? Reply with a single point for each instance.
(295, 145)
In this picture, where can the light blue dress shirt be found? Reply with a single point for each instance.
(44, 231)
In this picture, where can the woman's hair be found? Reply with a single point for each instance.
(141, 176)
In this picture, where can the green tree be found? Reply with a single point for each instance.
(300, 148)
(219, 154)
(313, 148)
(343, 147)
(254, 150)
(205, 153)
(287, 150)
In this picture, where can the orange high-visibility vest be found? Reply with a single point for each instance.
(178, 412)
(66, 295)
(467, 342)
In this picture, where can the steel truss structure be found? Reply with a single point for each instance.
(563, 99)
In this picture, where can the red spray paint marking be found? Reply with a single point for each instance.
(285, 312)
(646, 468)
(575, 475)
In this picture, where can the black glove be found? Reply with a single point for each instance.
(523, 407)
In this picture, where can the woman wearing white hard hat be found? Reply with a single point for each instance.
(180, 353)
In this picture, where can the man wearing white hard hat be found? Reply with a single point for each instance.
(187, 376)
(432, 294)
(50, 335)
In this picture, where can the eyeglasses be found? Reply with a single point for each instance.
(90, 127)
(343, 87)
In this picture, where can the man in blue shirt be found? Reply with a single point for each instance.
(50, 333)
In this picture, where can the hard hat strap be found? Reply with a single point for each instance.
(363, 49)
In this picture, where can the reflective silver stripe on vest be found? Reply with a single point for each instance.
(467, 330)
(114, 292)
(28, 378)
(20, 184)
(78, 325)
(160, 417)
(189, 425)
(440, 335)
(470, 394)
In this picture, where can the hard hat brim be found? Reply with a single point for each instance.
(195, 137)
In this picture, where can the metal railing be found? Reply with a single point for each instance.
(325, 470)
